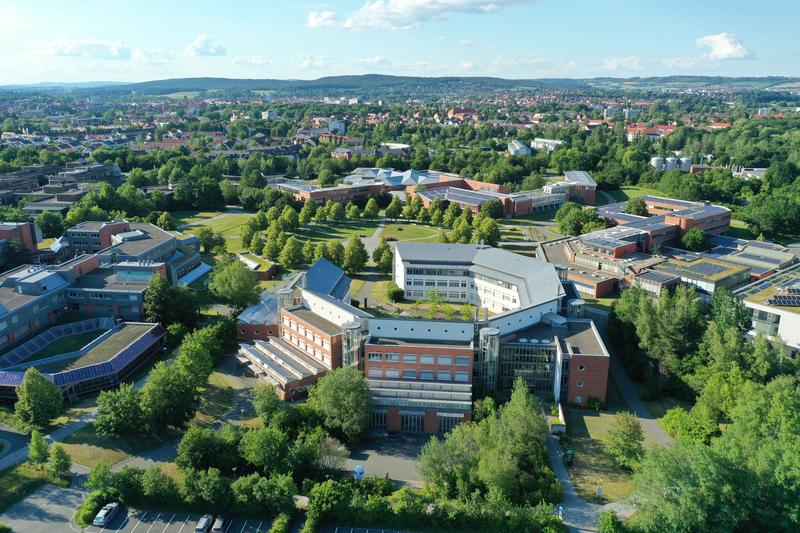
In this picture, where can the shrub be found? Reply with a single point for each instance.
(90, 506)
(393, 292)
(4, 528)
(281, 524)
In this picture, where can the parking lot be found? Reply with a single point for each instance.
(133, 521)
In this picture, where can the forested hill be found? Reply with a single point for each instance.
(411, 84)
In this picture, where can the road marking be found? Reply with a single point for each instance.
(259, 527)
(243, 526)
(154, 522)
(144, 515)
(168, 523)
(229, 526)
(124, 522)
(184, 523)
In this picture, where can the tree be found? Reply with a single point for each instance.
(371, 210)
(266, 449)
(488, 232)
(352, 211)
(493, 209)
(394, 208)
(169, 398)
(168, 304)
(386, 261)
(625, 440)
(119, 411)
(355, 256)
(694, 240)
(307, 212)
(636, 206)
(38, 449)
(610, 523)
(209, 240)
(60, 460)
(165, 221)
(343, 400)
(38, 399)
(194, 357)
(292, 254)
(266, 402)
(289, 218)
(335, 211)
(309, 252)
(236, 284)
(729, 311)
(51, 224)
(214, 489)
(199, 449)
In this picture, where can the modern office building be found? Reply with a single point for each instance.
(774, 306)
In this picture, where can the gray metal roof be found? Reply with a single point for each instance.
(436, 253)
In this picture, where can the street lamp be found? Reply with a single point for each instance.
(234, 473)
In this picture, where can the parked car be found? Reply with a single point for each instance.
(204, 524)
(105, 514)
(220, 523)
(391, 238)
(362, 234)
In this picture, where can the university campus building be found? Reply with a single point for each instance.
(424, 374)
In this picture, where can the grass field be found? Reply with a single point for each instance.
(70, 414)
(187, 217)
(67, 344)
(587, 431)
(19, 481)
(411, 232)
(625, 193)
(445, 311)
(88, 448)
(103, 351)
(740, 230)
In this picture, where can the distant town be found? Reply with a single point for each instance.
(318, 309)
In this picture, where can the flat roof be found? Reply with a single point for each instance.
(307, 315)
(153, 237)
(393, 341)
(765, 289)
(579, 334)
(106, 278)
(701, 268)
(108, 348)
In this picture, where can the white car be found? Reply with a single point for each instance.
(106, 514)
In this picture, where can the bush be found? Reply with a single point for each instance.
(90, 506)
(4, 528)
(393, 292)
(280, 524)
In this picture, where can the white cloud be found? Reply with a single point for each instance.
(322, 19)
(152, 57)
(467, 65)
(622, 63)
(85, 48)
(307, 62)
(466, 43)
(374, 60)
(203, 46)
(250, 61)
(406, 14)
(723, 46)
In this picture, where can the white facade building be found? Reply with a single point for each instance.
(518, 148)
(488, 278)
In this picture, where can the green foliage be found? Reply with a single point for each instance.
(234, 283)
(610, 523)
(695, 240)
(38, 399)
(169, 304)
(60, 460)
(90, 506)
(343, 401)
(119, 411)
(575, 220)
(169, 398)
(393, 292)
(51, 224)
(292, 254)
(281, 523)
(38, 449)
(625, 440)
(501, 457)
(636, 206)
(266, 402)
(265, 448)
(355, 256)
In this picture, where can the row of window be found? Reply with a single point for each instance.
(437, 272)
(307, 333)
(439, 283)
(308, 348)
(425, 375)
(449, 295)
(421, 359)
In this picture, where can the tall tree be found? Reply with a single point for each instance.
(355, 256)
(38, 399)
(234, 283)
(343, 401)
(625, 440)
(38, 449)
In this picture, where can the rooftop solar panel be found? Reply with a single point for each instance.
(706, 269)
(786, 301)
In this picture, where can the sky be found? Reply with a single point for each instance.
(118, 40)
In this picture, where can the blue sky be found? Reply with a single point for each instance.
(87, 40)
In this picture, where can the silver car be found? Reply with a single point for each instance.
(106, 514)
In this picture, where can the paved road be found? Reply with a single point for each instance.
(11, 440)
(46, 510)
(372, 242)
(394, 456)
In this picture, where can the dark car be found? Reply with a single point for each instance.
(204, 524)
(220, 523)
(391, 238)
(105, 514)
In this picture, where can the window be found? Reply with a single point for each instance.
(374, 372)
(443, 376)
(409, 358)
(462, 361)
(581, 368)
(579, 383)
(393, 357)
(462, 376)
(374, 356)
(426, 359)
(392, 373)
(578, 399)
(426, 374)
(445, 360)
(409, 374)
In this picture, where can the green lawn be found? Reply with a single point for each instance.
(19, 481)
(103, 351)
(444, 311)
(334, 231)
(625, 193)
(659, 407)
(67, 344)
(587, 431)
(740, 230)
(69, 414)
(410, 231)
(229, 224)
(186, 217)
(88, 448)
